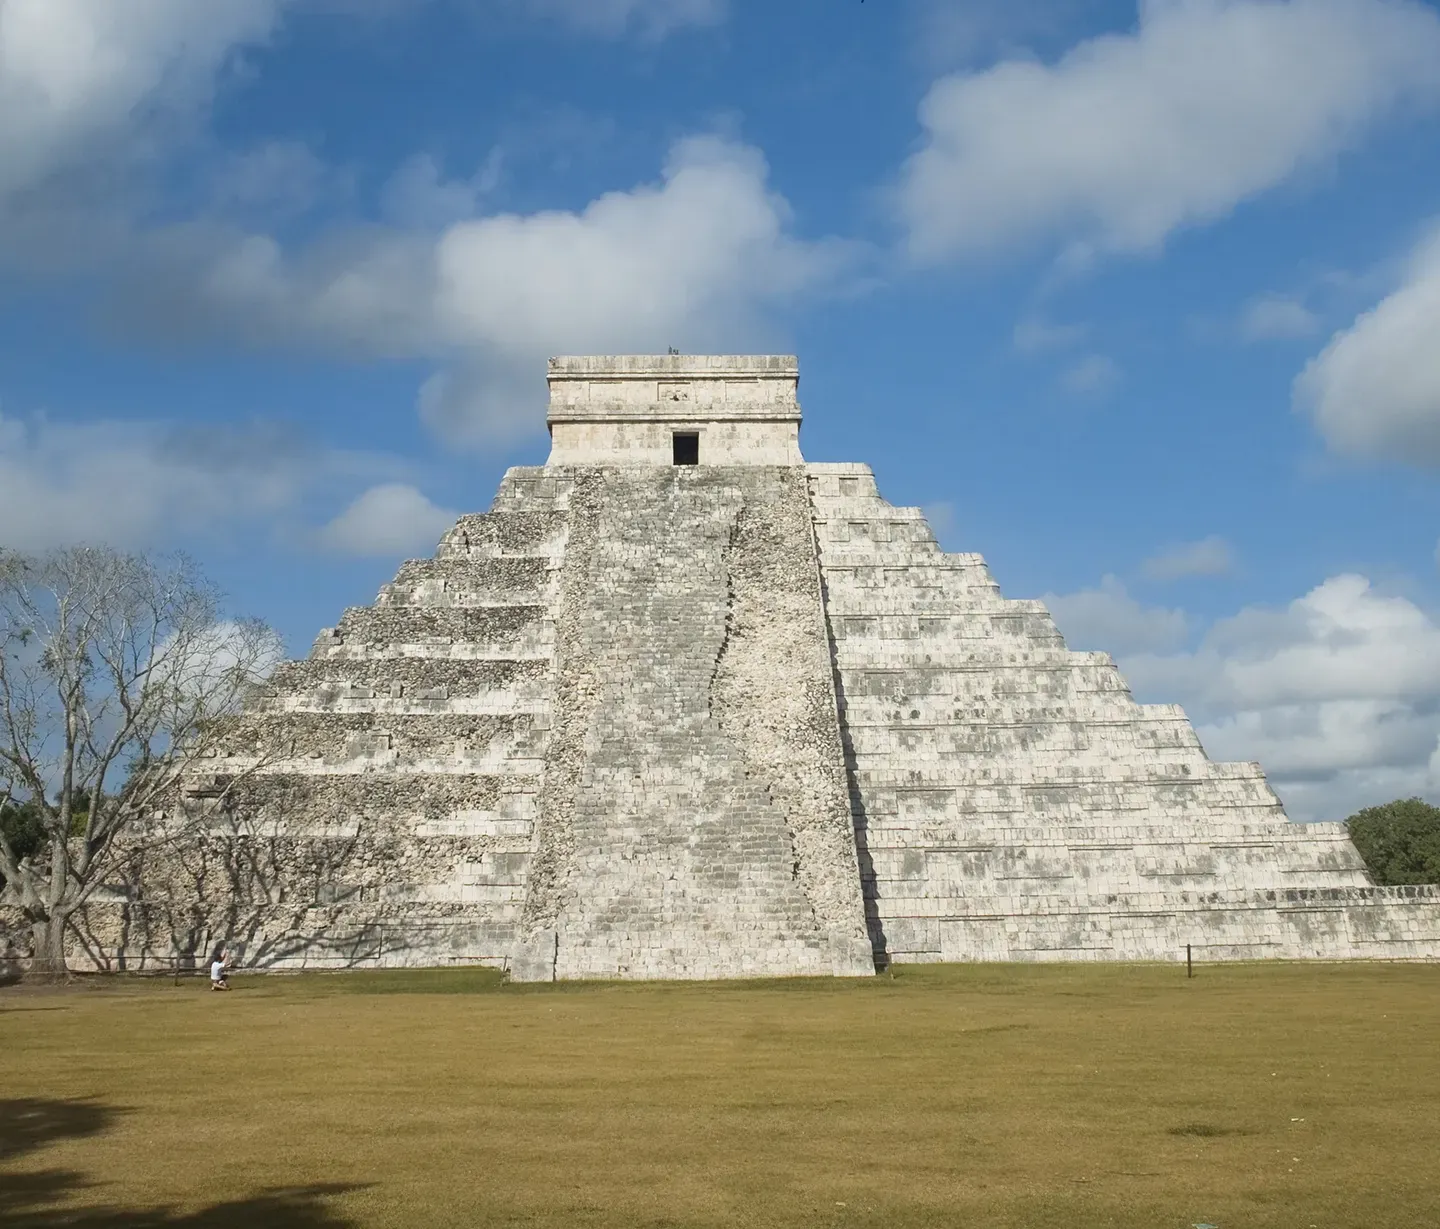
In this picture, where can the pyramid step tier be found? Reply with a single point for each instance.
(1229, 924)
(1055, 741)
(498, 535)
(518, 629)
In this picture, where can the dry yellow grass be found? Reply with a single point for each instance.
(1253, 1096)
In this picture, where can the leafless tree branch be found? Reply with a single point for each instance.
(117, 676)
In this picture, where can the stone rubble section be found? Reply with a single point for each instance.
(696, 822)
(1012, 802)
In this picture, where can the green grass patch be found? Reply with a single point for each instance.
(1253, 1097)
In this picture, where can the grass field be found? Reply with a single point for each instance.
(1252, 1096)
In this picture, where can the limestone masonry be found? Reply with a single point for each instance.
(681, 705)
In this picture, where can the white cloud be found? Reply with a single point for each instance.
(1208, 557)
(205, 666)
(283, 177)
(697, 259)
(1109, 619)
(419, 197)
(138, 484)
(705, 244)
(1340, 796)
(1093, 376)
(949, 33)
(75, 75)
(941, 518)
(652, 17)
(1128, 137)
(1277, 317)
(100, 81)
(1036, 335)
(477, 403)
(1321, 740)
(1337, 695)
(702, 258)
(390, 519)
(1374, 391)
(694, 260)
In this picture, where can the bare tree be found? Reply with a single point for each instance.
(117, 674)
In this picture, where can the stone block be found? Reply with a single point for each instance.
(533, 958)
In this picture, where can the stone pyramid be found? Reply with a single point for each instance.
(681, 705)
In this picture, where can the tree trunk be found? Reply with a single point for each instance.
(48, 961)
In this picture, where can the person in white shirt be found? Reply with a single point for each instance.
(218, 971)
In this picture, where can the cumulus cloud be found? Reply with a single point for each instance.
(387, 520)
(941, 517)
(1277, 317)
(706, 243)
(1128, 137)
(205, 667)
(1337, 695)
(1108, 618)
(1374, 391)
(75, 75)
(1036, 335)
(1093, 376)
(138, 484)
(695, 259)
(949, 34)
(652, 17)
(1208, 557)
(419, 196)
(703, 257)
(477, 403)
(96, 81)
(275, 177)
(1341, 641)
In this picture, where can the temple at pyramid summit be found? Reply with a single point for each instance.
(681, 705)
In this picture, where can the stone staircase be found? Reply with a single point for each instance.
(679, 860)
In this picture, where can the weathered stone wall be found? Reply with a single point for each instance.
(1012, 802)
(577, 692)
(695, 823)
(652, 443)
(14, 943)
(625, 409)
(773, 692)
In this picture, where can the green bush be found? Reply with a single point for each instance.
(23, 829)
(1399, 841)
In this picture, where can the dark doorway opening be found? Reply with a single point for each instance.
(687, 447)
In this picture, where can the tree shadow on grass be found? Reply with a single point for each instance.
(42, 1199)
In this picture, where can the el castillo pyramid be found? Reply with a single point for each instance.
(684, 706)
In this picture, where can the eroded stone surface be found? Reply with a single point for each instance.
(705, 829)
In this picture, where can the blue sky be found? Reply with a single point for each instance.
(1141, 303)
